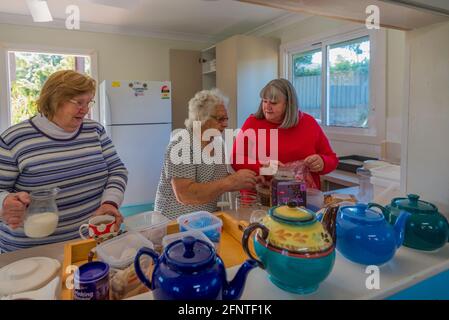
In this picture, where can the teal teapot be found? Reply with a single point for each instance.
(426, 229)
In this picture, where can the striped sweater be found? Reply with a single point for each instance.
(36, 154)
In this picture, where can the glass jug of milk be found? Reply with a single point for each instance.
(42, 215)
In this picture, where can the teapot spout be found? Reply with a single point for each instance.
(329, 221)
(234, 289)
(399, 227)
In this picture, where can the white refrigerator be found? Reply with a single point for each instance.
(137, 117)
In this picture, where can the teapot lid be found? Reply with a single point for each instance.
(412, 204)
(189, 254)
(360, 213)
(291, 213)
(296, 229)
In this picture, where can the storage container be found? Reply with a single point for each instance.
(386, 181)
(315, 199)
(120, 251)
(151, 224)
(203, 221)
(119, 254)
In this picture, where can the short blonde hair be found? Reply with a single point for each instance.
(203, 104)
(273, 91)
(60, 87)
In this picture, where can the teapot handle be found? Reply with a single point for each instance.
(246, 236)
(149, 252)
(382, 208)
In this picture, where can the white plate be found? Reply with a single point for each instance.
(27, 274)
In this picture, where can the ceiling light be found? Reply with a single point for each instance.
(39, 10)
(123, 4)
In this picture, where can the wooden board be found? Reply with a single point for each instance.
(230, 249)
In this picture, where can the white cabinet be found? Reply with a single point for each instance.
(244, 65)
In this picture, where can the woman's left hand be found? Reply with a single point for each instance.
(109, 209)
(314, 162)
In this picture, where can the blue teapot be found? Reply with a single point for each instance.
(189, 269)
(364, 236)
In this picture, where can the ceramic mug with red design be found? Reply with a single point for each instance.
(98, 226)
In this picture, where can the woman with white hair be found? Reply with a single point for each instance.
(194, 184)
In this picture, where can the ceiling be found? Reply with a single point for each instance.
(398, 14)
(202, 20)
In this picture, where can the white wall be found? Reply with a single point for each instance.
(395, 78)
(119, 56)
(257, 64)
(427, 115)
(127, 57)
(395, 84)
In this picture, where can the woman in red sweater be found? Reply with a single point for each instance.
(300, 137)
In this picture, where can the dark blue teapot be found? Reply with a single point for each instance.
(364, 236)
(190, 269)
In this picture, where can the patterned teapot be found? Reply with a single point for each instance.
(296, 250)
(190, 269)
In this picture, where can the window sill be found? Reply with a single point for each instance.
(354, 138)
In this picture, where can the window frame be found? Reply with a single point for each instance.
(375, 133)
(5, 96)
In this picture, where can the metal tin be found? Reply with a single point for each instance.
(92, 281)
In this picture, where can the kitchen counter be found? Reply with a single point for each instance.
(55, 251)
(347, 279)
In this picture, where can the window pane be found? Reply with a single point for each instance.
(28, 72)
(348, 83)
(307, 81)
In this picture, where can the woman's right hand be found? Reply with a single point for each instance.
(242, 179)
(14, 207)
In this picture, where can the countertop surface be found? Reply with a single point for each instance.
(346, 281)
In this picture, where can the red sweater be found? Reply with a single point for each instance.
(294, 143)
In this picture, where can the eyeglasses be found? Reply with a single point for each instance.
(89, 105)
(221, 119)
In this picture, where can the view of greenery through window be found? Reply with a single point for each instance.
(29, 71)
(347, 84)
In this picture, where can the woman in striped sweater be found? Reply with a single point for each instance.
(59, 148)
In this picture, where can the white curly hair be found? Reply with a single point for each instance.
(202, 106)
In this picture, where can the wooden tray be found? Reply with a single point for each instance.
(230, 250)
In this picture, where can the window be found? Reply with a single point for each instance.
(307, 81)
(28, 72)
(340, 80)
(348, 83)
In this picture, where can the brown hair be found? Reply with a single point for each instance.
(273, 91)
(60, 87)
